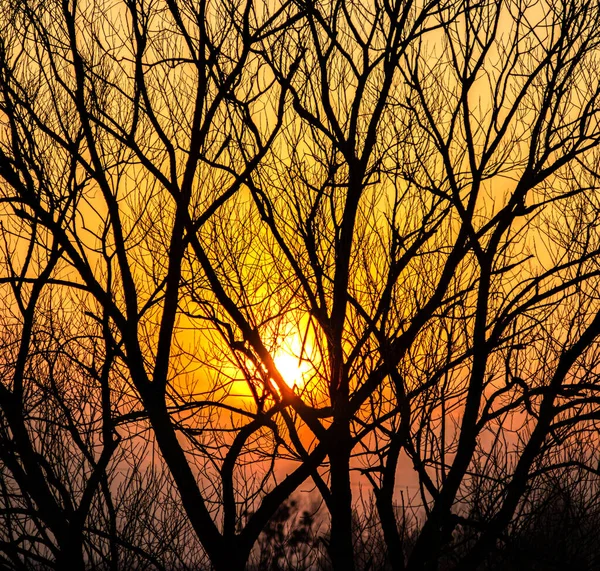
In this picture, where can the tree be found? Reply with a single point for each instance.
(447, 214)
(53, 468)
(399, 195)
(97, 99)
(69, 478)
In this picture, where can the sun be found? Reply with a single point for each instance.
(291, 368)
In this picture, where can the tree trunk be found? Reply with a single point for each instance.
(389, 526)
(192, 500)
(436, 533)
(229, 560)
(71, 553)
(69, 560)
(341, 545)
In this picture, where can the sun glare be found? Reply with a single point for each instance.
(292, 370)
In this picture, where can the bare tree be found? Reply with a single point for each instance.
(435, 205)
(400, 196)
(123, 133)
(69, 477)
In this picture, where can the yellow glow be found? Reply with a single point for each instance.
(291, 368)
